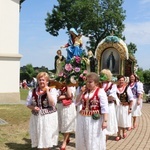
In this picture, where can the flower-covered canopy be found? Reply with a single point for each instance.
(112, 41)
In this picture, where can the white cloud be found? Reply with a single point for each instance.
(138, 33)
(144, 1)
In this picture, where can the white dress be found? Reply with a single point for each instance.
(67, 116)
(141, 90)
(89, 134)
(136, 89)
(112, 125)
(44, 128)
(78, 105)
(123, 118)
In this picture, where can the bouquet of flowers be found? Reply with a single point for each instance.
(73, 72)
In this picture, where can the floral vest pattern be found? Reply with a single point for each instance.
(93, 103)
(123, 96)
(41, 101)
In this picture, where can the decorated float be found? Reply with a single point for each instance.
(112, 53)
(74, 68)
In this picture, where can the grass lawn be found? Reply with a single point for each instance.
(23, 94)
(15, 135)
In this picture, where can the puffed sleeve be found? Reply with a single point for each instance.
(73, 91)
(113, 93)
(29, 98)
(103, 101)
(113, 90)
(130, 94)
(140, 88)
(54, 94)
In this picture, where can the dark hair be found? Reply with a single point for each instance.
(120, 76)
(136, 77)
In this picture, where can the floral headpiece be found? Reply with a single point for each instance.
(105, 75)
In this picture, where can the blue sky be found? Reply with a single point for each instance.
(39, 48)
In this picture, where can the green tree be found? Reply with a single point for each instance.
(30, 70)
(27, 72)
(24, 75)
(97, 18)
(140, 74)
(146, 75)
(21, 1)
(132, 48)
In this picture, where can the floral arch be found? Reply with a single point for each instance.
(114, 44)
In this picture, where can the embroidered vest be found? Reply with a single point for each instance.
(41, 101)
(92, 105)
(123, 96)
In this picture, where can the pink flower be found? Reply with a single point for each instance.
(77, 69)
(61, 74)
(68, 67)
(81, 75)
(78, 59)
(84, 78)
(85, 72)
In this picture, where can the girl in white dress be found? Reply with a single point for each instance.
(44, 119)
(92, 118)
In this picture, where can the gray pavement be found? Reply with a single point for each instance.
(137, 139)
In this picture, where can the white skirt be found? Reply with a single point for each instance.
(66, 117)
(44, 130)
(112, 125)
(89, 135)
(123, 118)
(136, 109)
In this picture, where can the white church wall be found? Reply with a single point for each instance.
(9, 48)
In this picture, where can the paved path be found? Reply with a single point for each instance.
(137, 139)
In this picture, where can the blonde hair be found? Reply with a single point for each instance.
(94, 76)
(43, 74)
(108, 73)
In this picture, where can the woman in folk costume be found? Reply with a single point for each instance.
(66, 113)
(141, 89)
(74, 45)
(92, 118)
(44, 119)
(137, 93)
(124, 109)
(111, 91)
